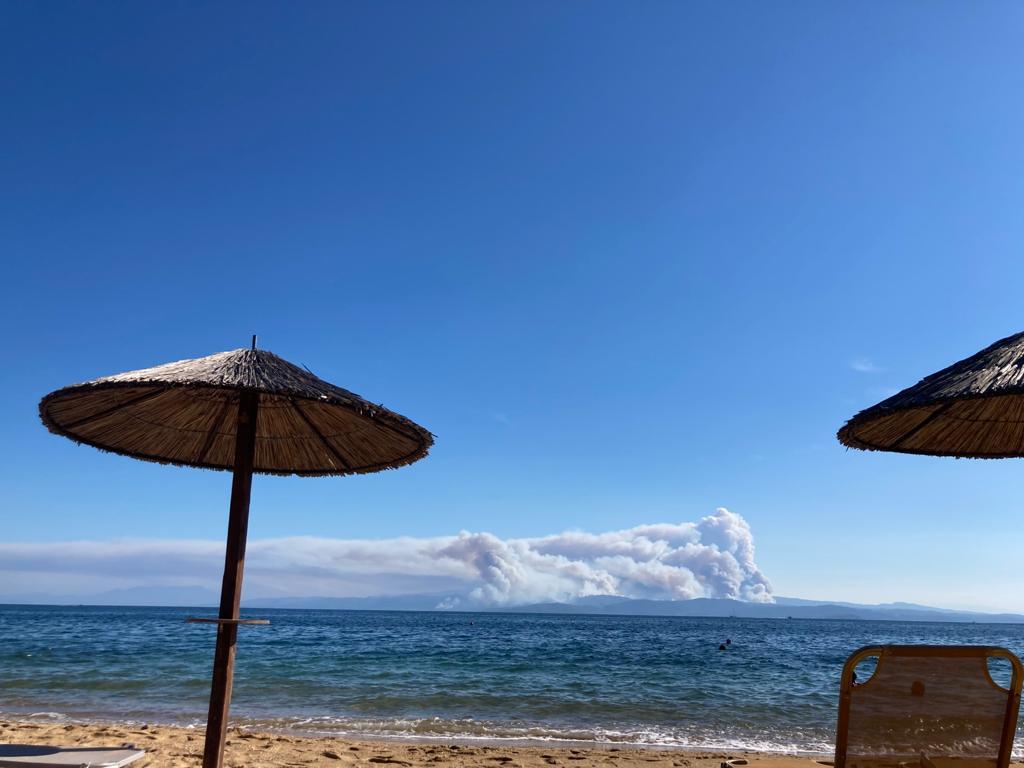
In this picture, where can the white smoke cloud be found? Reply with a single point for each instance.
(710, 558)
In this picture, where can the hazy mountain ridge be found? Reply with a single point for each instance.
(608, 605)
(783, 608)
(612, 605)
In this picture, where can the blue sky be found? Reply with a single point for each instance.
(630, 262)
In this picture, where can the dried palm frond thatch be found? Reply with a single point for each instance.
(247, 411)
(184, 413)
(972, 409)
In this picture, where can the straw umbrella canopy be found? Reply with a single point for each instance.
(247, 411)
(972, 409)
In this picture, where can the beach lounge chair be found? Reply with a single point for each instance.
(927, 707)
(28, 756)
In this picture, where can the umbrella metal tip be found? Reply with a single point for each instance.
(254, 341)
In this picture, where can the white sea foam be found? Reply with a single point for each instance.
(469, 729)
(435, 729)
(57, 716)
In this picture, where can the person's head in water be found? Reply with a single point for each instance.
(721, 647)
(728, 641)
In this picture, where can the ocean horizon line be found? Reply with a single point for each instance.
(836, 611)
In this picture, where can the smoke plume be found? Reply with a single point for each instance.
(713, 557)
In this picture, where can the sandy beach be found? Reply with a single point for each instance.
(170, 747)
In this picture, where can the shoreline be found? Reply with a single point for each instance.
(181, 747)
(306, 729)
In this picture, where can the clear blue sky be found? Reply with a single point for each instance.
(629, 261)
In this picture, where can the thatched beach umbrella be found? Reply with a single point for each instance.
(972, 409)
(246, 411)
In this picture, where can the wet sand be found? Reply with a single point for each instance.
(169, 747)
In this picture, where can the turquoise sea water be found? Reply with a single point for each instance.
(648, 680)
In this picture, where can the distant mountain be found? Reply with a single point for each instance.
(609, 605)
(156, 596)
(614, 605)
(159, 596)
(384, 603)
(782, 608)
(804, 601)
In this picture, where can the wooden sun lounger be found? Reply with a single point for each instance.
(28, 755)
(927, 706)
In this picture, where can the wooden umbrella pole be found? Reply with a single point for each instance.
(231, 587)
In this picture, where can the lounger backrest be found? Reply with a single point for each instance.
(928, 706)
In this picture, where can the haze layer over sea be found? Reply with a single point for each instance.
(639, 680)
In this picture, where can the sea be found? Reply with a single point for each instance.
(656, 681)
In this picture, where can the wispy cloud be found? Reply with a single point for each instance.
(713, 557)
(864, 365)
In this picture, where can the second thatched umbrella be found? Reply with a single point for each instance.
(972, 409)
(247, 411)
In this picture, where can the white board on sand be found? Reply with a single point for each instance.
(28, 755)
